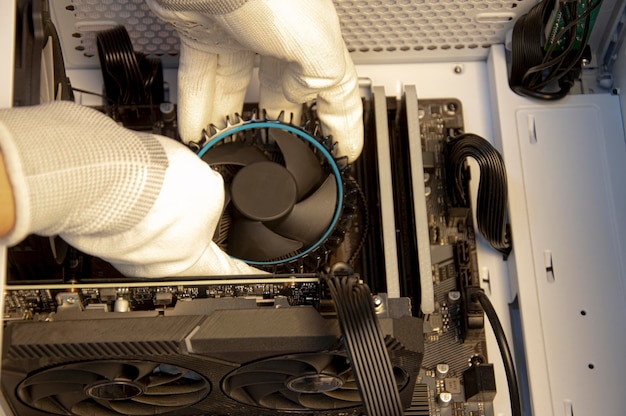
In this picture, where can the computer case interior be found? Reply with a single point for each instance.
(431, 73)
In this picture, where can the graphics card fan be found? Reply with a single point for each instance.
(287, 201)
(109, 388)
(299, 382)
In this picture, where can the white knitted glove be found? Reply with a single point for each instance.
(143, 202)
(303, 57)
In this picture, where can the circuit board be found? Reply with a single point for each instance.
(40, 303)
(450, 345)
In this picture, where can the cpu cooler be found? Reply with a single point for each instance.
(230, 361)
(288, 203)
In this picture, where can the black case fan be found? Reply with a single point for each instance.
(286, 198)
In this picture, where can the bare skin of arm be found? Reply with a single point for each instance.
(7, 201)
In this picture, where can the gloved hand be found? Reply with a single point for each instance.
(303, 57)
(145, 203)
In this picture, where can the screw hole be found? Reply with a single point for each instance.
(583, 312)
(591, 366)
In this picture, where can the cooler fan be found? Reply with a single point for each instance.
(109, 388)
(285, 195)
(298, 382)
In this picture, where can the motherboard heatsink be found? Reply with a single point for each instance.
(289, 200)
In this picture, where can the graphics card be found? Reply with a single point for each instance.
(204, 356)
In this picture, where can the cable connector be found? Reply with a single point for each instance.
(473, 318)
(480, 383)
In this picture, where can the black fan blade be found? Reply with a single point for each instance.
(110, 370)
(177, 388)
(278, 401)
(89, 408)
(69, 400)
(310, 218)
(252, 378)
(62, 376)
(260, 391)
(350, 385)
(292, 396)
(155, 380)
(346, 395)
(143, 368)
(283, 366)
(251, 240)
(241, 395)
(43, 390)
(126, 407)
(171, 400)
(320, 402)
(234, 153)
(319, 362)
(300, 161)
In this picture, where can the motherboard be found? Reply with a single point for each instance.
(49, 281)
(454, 339)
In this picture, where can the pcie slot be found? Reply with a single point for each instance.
(243, 280)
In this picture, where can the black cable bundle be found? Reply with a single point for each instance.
(491, 207)
(365, 344)
(545, 67)
(130, 78)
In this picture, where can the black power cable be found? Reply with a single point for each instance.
(364, 343)
(507, 357)
(491, 207)
(545, 65)
(130, 78)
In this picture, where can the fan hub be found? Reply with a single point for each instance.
(114, 390)
(314, 383)
(264, 191)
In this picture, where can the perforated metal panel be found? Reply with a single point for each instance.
(416, 30)
(374, 30)
(78, 21)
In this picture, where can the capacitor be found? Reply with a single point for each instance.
(168, 112)
(441, 371)
(454, 296)
(444, 399)
(121, 305)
